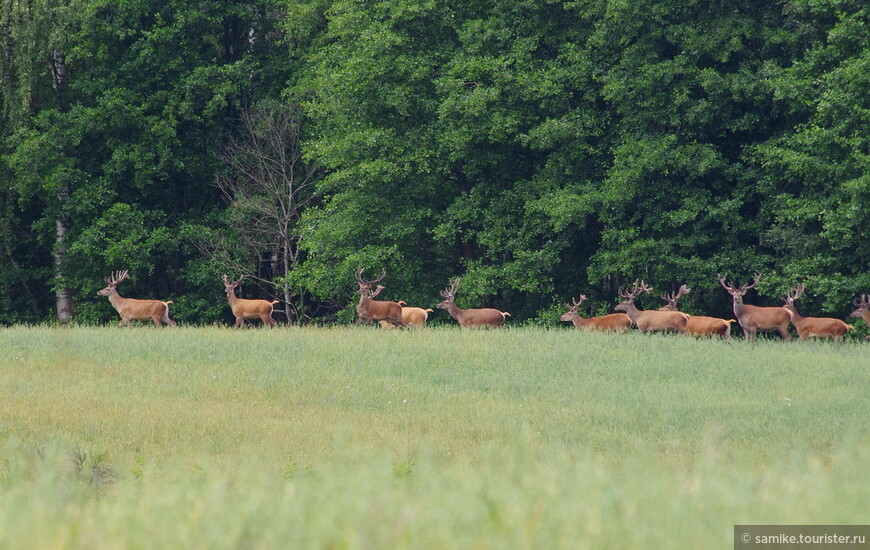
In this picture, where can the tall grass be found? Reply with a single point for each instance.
(358, 438)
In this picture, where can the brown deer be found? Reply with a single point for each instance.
(814, 327)
(650, 321)
(862, 309)
(755, 318)
(698, 325)
(619, 322)
(483, 317)
(248, 309)
(413, 316)
(369, 310)
(135, 310)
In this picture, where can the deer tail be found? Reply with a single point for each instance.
(273, 302)
(505, 314)
(850, 327)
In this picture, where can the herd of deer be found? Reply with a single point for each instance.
(667, 318)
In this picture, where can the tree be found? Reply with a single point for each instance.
(267, 185)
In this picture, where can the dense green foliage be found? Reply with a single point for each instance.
(539, 149)
(209, 437)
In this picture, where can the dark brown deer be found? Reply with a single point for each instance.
(248, 309)
(755, 318)
(618, 322)
(482, 317)
(862, 309)
(814, 327)
(369, 310)
(698, 325)
(650, 321)
(134, 310)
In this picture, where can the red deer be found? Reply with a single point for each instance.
(650, 321)
(814, 327)
(135, 310)
(698, 325)
(247, 309)
(862, 310)
(483, 317)
(619, 322)
(369, 310)
(755, 318)
(413, 316)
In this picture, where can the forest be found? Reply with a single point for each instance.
(539, 149)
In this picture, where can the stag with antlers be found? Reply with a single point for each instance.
(813, 327)
(862, 309)
(247, 309)
(755, 318)
(481, 317)
(131, 309)
(646, 320)
(619, 322)
(698, 325)
(369, 310)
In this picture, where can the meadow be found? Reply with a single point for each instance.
(356, 438)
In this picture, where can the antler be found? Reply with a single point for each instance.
(863, 303)
(227, 282)
(674, 296)
(794, 294)
(576, 303)
(375, 292)
(638, 289)
(360, 280)
(450, 291)
(117, 277)
(738, 291)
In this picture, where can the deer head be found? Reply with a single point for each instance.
(449, 294)
(861, 306)
(112, 281)
(738, 293)
(367, 285)
(230, 287)
(572, 309)
(672, 298)
(793, 295)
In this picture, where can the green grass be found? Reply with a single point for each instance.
(442, 438)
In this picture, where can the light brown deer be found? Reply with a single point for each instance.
(131, 309)
(646, 320)
(698, 325)
(413, 316)
(619, 322)
(482, 317)
(862, 309)
(755, 318)
(814, 327)
(248, 309)
(369, 310)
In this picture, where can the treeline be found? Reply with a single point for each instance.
(539, 149)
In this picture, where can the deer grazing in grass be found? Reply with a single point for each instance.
(698, 325)
(862, 309)
(413, 316)
(813, 327)
(247, 309)
(369, 310)
(619, 322)
(135, 310)
(755, 318)
(650, 320)
(482, 317)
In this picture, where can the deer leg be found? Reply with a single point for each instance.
(240, 322)
(783, 331)
(267, 320)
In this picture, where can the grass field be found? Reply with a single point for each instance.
(358, 438)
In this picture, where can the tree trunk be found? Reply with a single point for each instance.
(63, 296)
